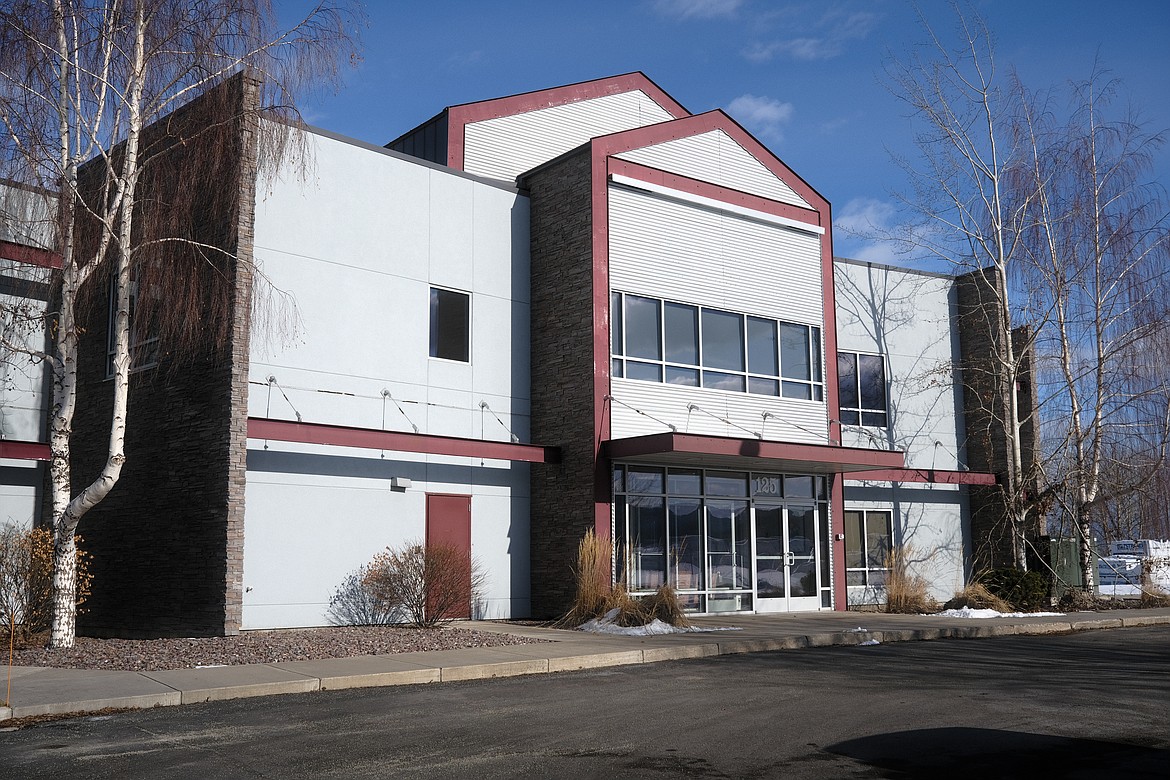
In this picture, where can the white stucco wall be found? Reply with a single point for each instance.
(909, 317)
(25, 220)
(351, 255)
(24, 391)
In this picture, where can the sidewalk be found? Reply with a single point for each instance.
(42, 690)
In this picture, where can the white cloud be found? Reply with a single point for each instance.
(865, 217)
(874, 231)
(835, 29)
(864, 229)
(763, 115)
(883, 253)
(697, 9)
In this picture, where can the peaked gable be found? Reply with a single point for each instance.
(717, 158)
(712, 147)
(506, 136)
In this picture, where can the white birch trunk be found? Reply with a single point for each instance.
(64, 627)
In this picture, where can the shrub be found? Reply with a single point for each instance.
(976, 596)
(1080, 600)
(26, 579)
(1026, 591)
(426, 583)
(596, 596)
(906, 592)
(353, 604)
(663, 605)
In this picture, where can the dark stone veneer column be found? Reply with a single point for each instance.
(167, 543)
(562, 372)
(979, 297)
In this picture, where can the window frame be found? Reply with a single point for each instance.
(433, 325)
(858, 414)
(867, 571)
(139, 347)
(710, 377)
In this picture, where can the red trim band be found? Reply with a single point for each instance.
(29, 255)
(398, 441)
(24, 450)
(717, 192)
(458, 117)
(752, 453)
(494, 108)
(649, 135)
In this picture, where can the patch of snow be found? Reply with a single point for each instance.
(968, 612)
(209, 666)
(869, 643)
(606, 624)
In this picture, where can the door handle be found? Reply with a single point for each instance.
(789, 558)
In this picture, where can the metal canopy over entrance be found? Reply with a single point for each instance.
(687, 449)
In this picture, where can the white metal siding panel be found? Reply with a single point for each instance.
(667, 249)
(679, 251)
(505, 147)
(795, 421)
(716, 157)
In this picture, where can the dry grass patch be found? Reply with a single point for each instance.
(905, 592)
(596, 596)
(977, 596)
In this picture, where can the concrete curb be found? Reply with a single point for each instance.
(187, 686)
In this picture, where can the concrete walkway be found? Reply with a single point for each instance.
(43, 690)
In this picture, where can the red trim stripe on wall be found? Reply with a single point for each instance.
(29, 255)
(397, 441)
(24, 450)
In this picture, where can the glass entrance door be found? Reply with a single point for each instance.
(786, 557)
(729, 556)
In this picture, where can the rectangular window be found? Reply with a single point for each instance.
(653, 340)
(450, 325)
(762, 347)
(722, 340)
(868, 540)
(682, 334)
(643, 328)
(862, 389)
(143, 336)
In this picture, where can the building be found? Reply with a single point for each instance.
(578, 308)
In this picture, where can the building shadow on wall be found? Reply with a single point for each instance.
(956, 753)
(276, 462)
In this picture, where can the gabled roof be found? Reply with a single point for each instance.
(523, 102)
(441, 138)
(697, 124)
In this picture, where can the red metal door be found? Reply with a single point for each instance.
(449, 522)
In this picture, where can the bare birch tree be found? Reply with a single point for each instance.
(1074, 246)
(83, 84)
(963, 107)
(1096, 264)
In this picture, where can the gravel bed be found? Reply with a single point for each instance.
(258, 647)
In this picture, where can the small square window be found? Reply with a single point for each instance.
(450, 325)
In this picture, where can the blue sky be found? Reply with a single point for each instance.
(804, 77)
